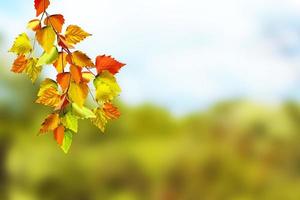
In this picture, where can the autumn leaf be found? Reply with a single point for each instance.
(63, 79)
(106, 86)
(111, 112)
(74, 34)
(78, 93)
(46, 84)
(108, 63)
(21, 45)
(34, 24)
(48, 94)
(59, 134)
(70, 121)
(67, 141)
(32, 70)
(80, 59)
(100, 121)
(41, 6)
(63, 43)
(107, 112)
(76, 73)
(87, 77)
(82, 112)
(50, 98)
(19, 64)
(64, 102)
(50, 123)
(56, 21)
(46, 37)
(61, 62)
(48, 58)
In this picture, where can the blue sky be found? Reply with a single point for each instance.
(186, 54)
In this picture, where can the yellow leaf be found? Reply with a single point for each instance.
(100, 121)
(34, 24)
(50, 123)
(106, 86)
(46, 37)
(46, 84)
(103, 114)
(81, 59)
(87, 76)
(75, 34)
(61, 62)
(78, 93)
(32, 70)
(19, 64)
(21, 45)
(48, 94)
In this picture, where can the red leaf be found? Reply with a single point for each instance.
(41, 6)
(108, 63)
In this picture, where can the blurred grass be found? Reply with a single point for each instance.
(235, 150)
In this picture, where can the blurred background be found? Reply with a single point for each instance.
(210, 104)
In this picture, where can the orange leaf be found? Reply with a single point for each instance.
(61, 62)
(76, 73)
(63, 103)
(19, 64)
(63, 80)
(50, 97)
(59, 134)
(63, 43)
(50, 123)
(75, 34)
(111, 112)
(81, 59)
(41, 6)
(108, 63)
(56, 21)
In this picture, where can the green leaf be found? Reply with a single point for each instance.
(82, 112)
(67, 142)
(70, 121)
(48, 58)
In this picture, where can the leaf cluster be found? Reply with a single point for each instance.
(67, 95)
